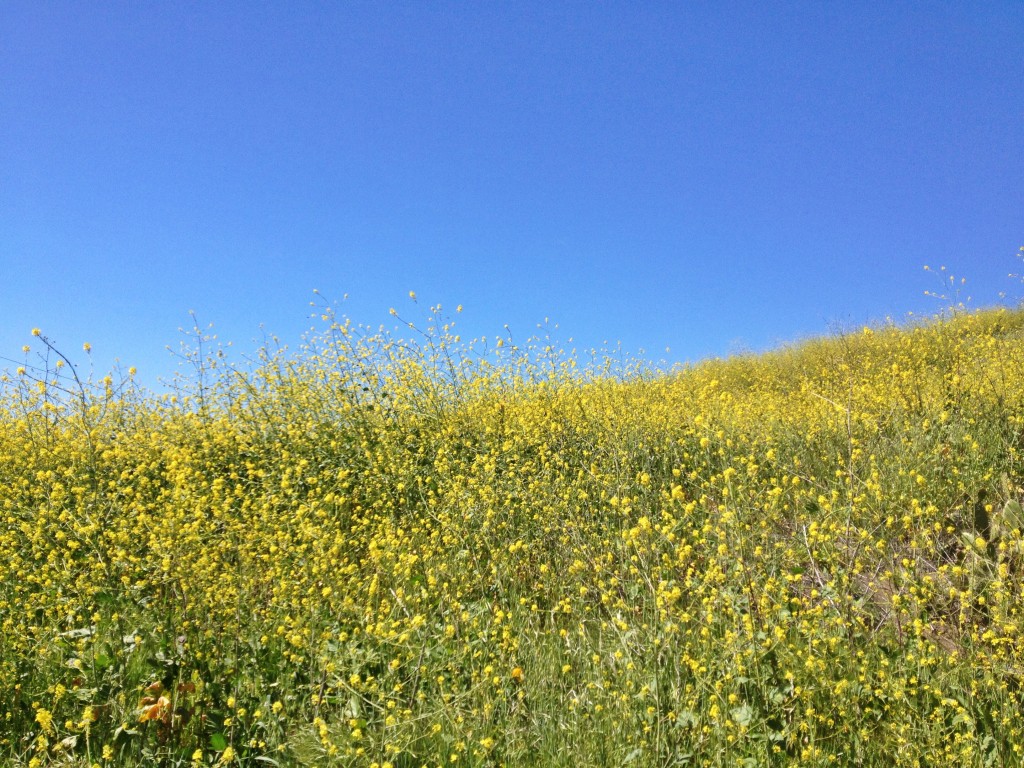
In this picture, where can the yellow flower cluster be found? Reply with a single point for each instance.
(380, 552)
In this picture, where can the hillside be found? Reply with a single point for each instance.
(374, 552)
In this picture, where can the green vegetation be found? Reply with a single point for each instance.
(376, 552)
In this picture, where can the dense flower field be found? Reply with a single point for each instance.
(377, 552)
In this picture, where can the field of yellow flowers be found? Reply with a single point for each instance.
(388, 552)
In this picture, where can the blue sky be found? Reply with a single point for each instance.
(707, 177)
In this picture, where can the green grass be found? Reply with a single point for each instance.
(425, 552)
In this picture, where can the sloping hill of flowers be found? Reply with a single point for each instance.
(377, 552)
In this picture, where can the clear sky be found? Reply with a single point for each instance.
(707, 177)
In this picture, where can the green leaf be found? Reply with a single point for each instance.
(1013, 515)
(686, 719)
(354, 707)
(965, 720)
(85, 694)
(75, 634)
(126, 731)
(218, 743)
(742, 715)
